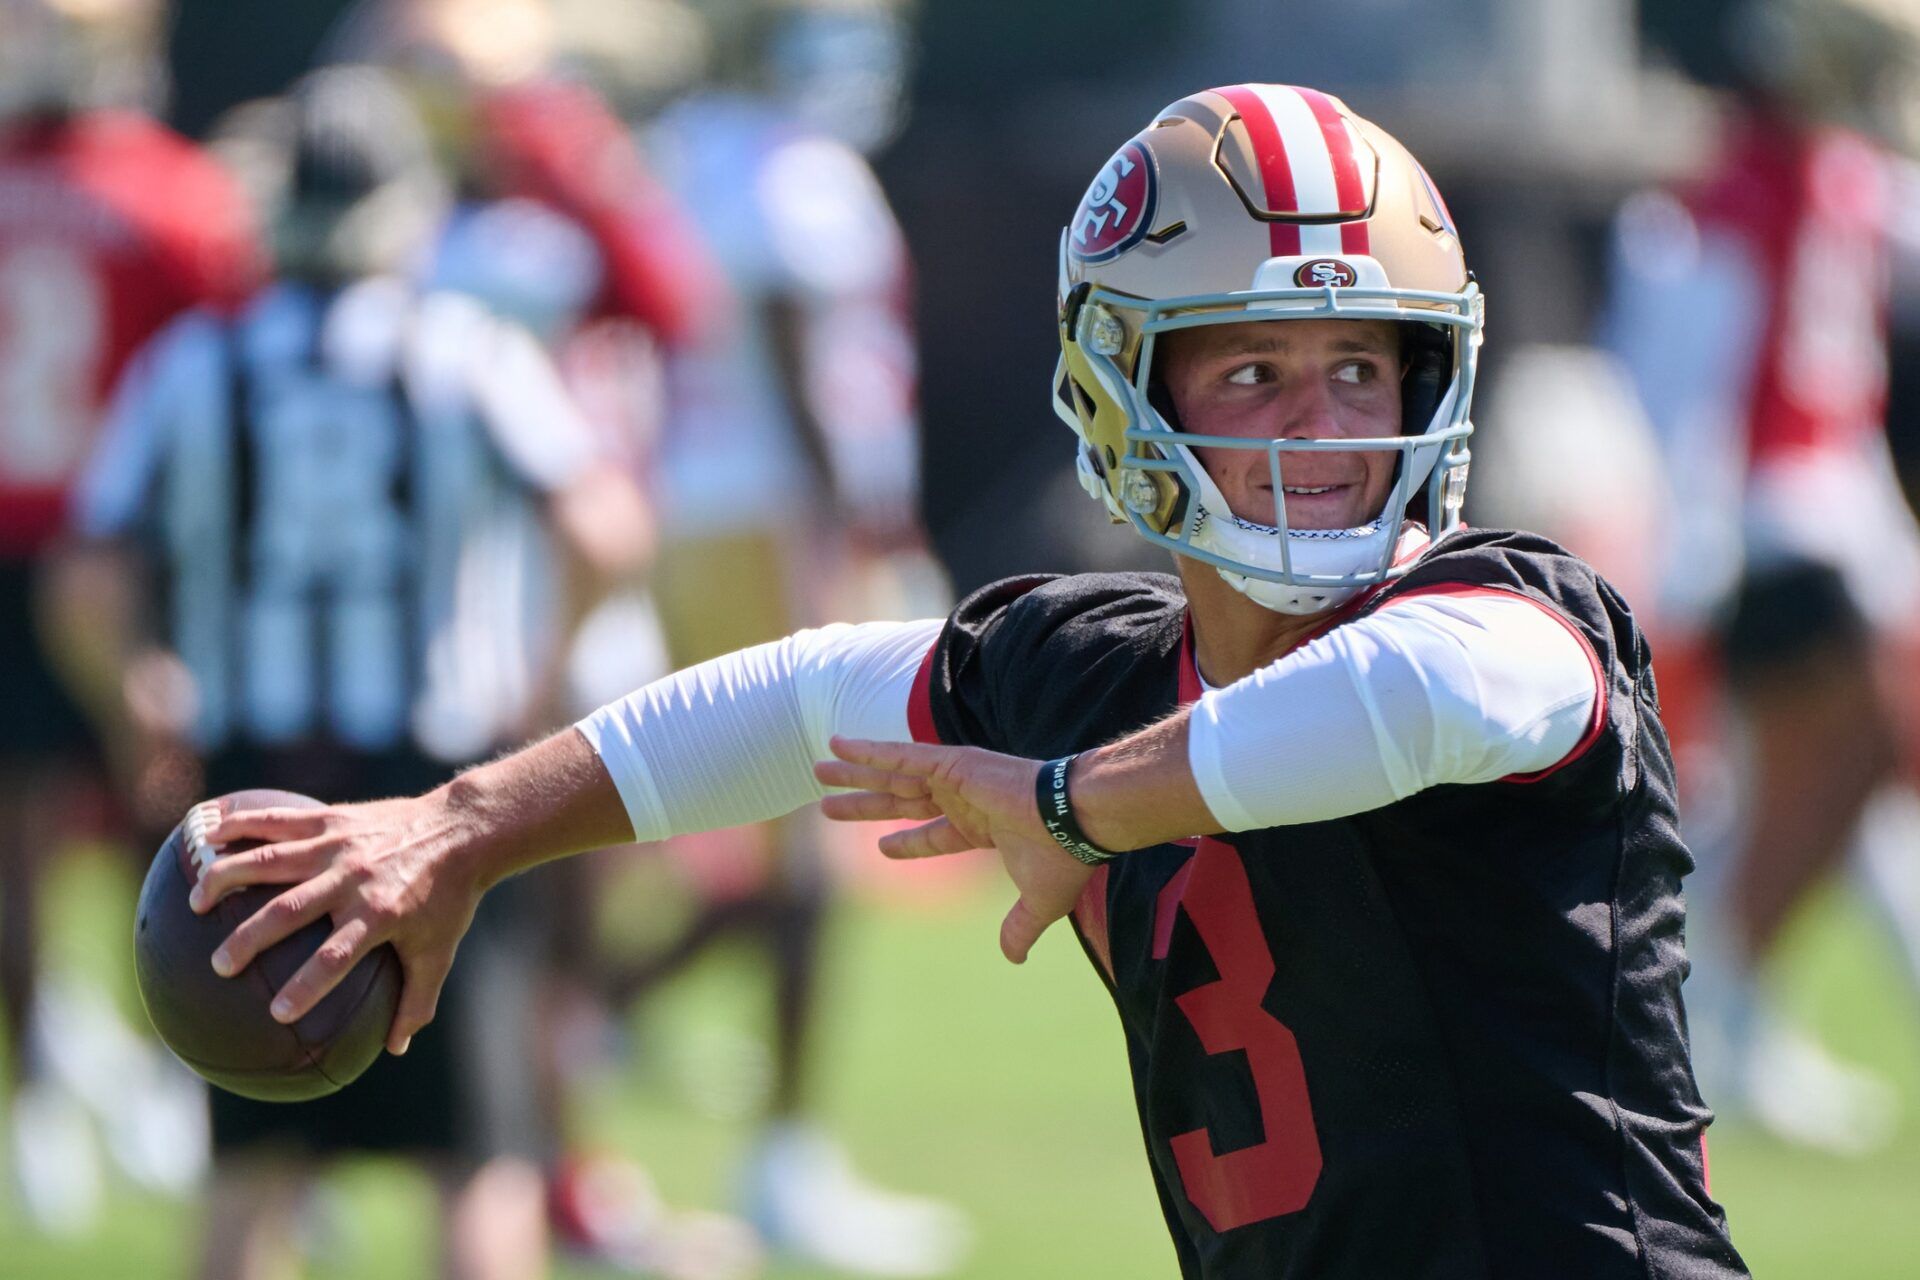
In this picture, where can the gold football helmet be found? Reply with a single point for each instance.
(1258, 202)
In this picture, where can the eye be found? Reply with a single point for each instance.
(1357, 372)
(1250, 375)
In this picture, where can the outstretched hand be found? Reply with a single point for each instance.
(974, 799)
(384, 872)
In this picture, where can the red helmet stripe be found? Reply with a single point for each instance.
(1270, 153)
(1346, 167)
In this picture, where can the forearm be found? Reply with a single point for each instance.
(1140, 791)
(733, 740)
(544, 802)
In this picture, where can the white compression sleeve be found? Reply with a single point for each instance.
(734, 740)
(1433, 689)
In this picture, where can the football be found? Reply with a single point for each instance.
(220, 1026)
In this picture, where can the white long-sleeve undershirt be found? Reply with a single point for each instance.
(1431, 689)
(733, 740)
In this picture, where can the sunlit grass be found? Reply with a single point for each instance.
(950, 1072)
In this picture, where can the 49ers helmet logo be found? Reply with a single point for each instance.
(1322, 272)
(1115, 212)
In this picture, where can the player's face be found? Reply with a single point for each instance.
(1293, 380)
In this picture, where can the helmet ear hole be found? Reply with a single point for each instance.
(1063, 389)
(1084, 402)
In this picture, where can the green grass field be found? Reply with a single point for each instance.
(1003, 1089)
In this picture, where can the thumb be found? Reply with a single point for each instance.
(1019, 931)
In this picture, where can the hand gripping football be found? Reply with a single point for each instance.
(220, 1026)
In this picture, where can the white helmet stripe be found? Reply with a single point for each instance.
(1315, 187)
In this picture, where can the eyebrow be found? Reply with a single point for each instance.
(1251, 344)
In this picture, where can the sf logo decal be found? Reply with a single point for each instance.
(1324, 272)
(1115, 212)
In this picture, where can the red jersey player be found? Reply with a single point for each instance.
(109, 226)
(1750, 309)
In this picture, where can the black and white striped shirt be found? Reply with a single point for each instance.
(345, 494)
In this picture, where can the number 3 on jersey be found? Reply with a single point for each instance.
(1276, 1175)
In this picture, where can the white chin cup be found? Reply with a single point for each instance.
(1277, 596)
(1315, 553)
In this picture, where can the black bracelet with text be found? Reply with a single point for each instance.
(1056, 812)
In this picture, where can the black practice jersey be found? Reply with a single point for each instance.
(1443, 1038)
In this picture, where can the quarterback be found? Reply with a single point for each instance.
(1365, 818)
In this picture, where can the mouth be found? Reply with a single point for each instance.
(1315, 506)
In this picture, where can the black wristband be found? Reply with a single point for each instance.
(1056, 812)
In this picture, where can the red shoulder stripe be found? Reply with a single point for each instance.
(920, 700)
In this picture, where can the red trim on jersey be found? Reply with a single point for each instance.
(1346, 168)
(920, 701)
(1599, 719)
(1190, 690)
(1090, 917)
(1276, 174)
(1167, 906)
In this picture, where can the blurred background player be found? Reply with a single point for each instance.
(1750, 308)
(110, 225)
(788, 476)
(350, 498)
(559, 225)
(513, 131)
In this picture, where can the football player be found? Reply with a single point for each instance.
(796, 412)
(353, 494)
(1386, 889)
(1750, 308)
(110, 225)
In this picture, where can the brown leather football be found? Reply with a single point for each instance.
(220, 1026)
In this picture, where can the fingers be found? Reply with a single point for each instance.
(1019, 931)
(874, 806)
(918, 758)
(323, 970)
(865, 777)
(419, 998)
(269, 864)
(269, 824)
(287, 913)
(930, 840)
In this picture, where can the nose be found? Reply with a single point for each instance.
(1307, 411)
